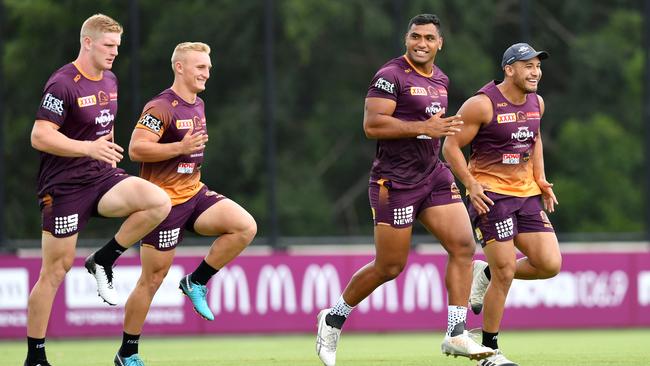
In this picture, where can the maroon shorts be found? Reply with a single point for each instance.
(67, 214)
(400, 207)
(182, 217)
(508, 217)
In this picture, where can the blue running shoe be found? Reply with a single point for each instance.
(198, 295)
(133, 360)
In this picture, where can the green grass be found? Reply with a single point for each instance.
(535, 348)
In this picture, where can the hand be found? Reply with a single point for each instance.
(103, 149)
(438, 126)
(548, 197)
(192, 143)
(478, 198)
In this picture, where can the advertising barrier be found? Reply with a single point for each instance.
(284, 292)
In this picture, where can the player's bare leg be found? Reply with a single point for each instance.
(146, 205)
(58, 256)
(235, 229)
(392, 247)
(450, 224)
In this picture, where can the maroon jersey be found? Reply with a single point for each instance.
(502, 149)
(85, 109)
(408, 161)
(170, 117)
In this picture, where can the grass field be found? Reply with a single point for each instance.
(539, 348)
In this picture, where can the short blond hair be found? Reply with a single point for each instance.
(97, 24)
(182, 48)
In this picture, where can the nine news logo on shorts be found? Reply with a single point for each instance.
(505, 228)
(402, 216)
(168, 238)
(66, 224)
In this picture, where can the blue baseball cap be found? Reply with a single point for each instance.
(519, 52)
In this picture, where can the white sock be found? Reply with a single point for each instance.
(455, 314)
(341, 308)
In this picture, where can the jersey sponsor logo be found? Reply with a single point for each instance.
(434, 108)
(151, 122)
(442, 91)
(168, 238)
(433, 92)
(403, 216)
(522, 134)
(510, 159)
(185, 168)
(533, 115)
(385, 85)
(53, 104)
(105, 117)
(77, 78)
(86, 101)
(103, 97)
(506, 118)
(504, 228)
(521, 116)
(501, 105)
(184, 124)
(66, 224)
(416, 90)
(112, 96)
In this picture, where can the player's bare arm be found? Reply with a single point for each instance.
(145, 146)
(475, 111)
(379, 123)
(47, 138)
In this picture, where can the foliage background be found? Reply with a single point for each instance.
(326, 52)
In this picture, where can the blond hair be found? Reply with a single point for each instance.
(182, 48)
(97, 24)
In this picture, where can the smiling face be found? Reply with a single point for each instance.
(103, 49)
(525, 74)
(422, 43)
(195, 70)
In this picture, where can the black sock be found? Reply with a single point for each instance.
(487, 273)
(203, 273)
(334, 320)
(490, 339)
(108, 254)
(129, 345)
(35, 349)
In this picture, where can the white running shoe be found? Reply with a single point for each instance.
(498, 359)
(480, 284)
(326, 340)
(463, 345)
(104, 277)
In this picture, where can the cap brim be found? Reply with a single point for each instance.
(542, 55)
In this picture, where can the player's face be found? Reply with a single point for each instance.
(104, 50)
(527, 74)
(422, 43)
(196, 70)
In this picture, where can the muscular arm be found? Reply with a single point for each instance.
(379, 123)
(46, 137)
(145, 146)
(548, 196)
(475, 111)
